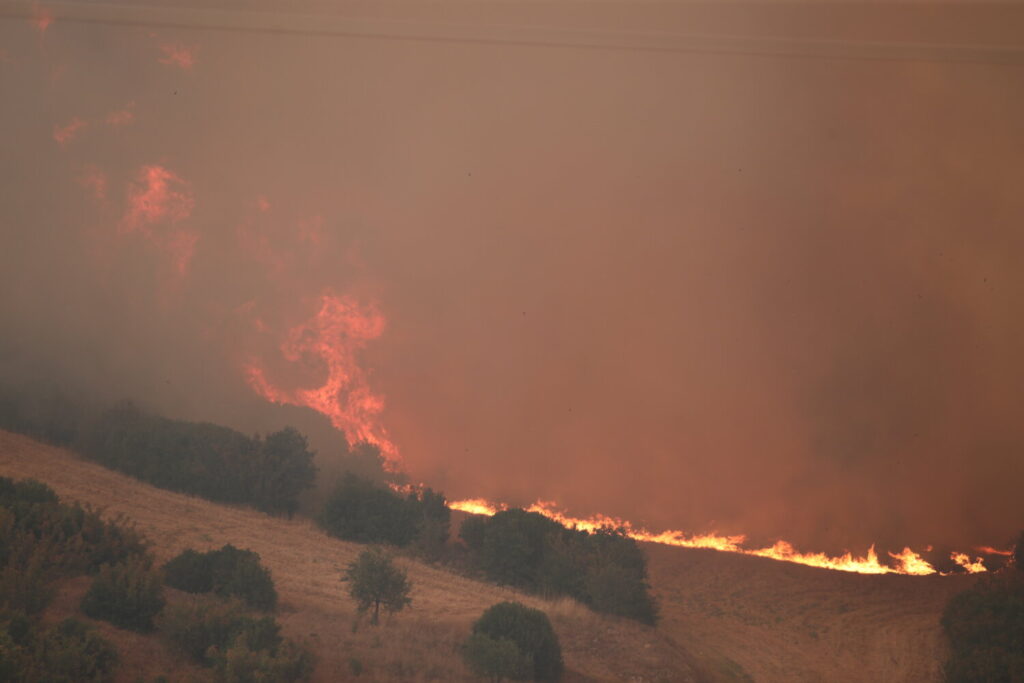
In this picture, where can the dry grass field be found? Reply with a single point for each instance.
(725, 617)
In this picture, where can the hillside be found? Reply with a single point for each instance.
(725, 617)
(420, 644)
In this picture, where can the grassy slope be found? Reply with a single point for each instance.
(742, 617)
(416, 645)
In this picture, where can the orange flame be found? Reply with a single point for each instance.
(179, 55)
(64, 134)
(340, 329)
(964, 561)
(993, 551)
(907, 561)
(160, 196)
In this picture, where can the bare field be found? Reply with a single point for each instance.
(725, 617)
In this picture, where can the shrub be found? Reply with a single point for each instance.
(70, 651)
(240, 647)
(496, 658)
(605, 569)
(203, 626)
(529, 629)
(128, 595)
(375, 582)
(1018, 552)
(363, 512)
(985, 626)
(244, 664)
(228, 572)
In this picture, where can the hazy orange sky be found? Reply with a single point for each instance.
(773, 295)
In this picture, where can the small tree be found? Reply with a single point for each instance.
(529, 630)
(374, 581)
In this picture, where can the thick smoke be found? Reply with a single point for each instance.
(753, 294)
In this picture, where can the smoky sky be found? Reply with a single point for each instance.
(778, 296)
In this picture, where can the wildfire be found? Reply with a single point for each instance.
(905, 562)
(159, 197)
(340, 329)
(964, 561)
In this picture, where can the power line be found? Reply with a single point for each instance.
(260, 21)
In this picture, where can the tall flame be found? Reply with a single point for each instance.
(340, 329)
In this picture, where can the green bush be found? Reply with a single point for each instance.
(71, 652)
(496, 658)
(128, 595)
(203, 626)
(529, 629)
(228, 572)
(604, 569)
(244, 664)
(240, 647)
(361, 511)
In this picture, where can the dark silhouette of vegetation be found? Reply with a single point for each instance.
(128, 595)
(42, 539)
(375, 582)
(228, 572)
(1018, 552)
(200, 458)
(496, 659)
(985, 626)
(605, 569)
(220, 634)
(364, 512)
(513, 641)
(69, 651)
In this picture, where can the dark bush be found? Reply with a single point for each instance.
(72, 652)
(240, 647)
(605, 569)
(985, 626)
(364, 512)
(530, 630)
(42, 539)
(203, 626)
(496, 659)
(228, 572)
(128, 595)
(1018, 552)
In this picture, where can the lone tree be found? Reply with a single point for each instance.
(374, 581)
(513, 641)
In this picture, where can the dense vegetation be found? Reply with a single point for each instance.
(606, 569)
(513, 641)
(228, 572)
(221, 634)
(985, 626)
(364, 512)
(41, 541)
(204, 459)
(128, 595)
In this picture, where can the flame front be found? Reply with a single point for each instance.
(906, 562)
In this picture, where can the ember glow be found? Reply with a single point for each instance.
(333, 339)
(179, 55)
(964, 561)
(67, 132)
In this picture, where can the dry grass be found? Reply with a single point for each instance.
(417, 645)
